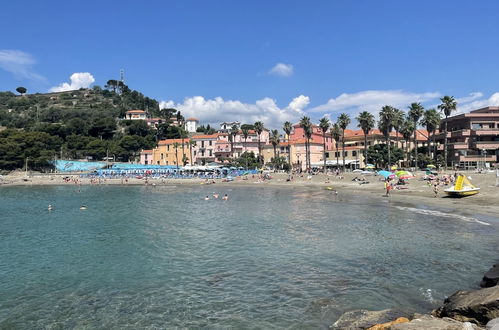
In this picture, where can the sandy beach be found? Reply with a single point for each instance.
(417, 191)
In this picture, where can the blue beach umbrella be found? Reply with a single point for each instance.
(386, 174)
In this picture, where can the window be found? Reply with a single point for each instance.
(145, 162)
(327, 154)
(195, 152)
(336, 154)
(158, 162)
(354, 153)
(210, 143)
(210, 152)
(346, 153)
(202, 144)
(162, 156)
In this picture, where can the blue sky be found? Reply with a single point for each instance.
(214, 59)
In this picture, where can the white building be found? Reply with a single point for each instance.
(191, 124)
(136, 115)
(226, 126)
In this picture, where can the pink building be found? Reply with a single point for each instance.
(204, 150)
(146, 157)
(298, 133)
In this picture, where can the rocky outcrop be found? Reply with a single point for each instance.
(428, 322)
(493, 324)
(491, 277)
(364, 319)
(478, 306)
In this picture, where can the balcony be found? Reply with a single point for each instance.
(478, 158)
(456, 145)
(487, 145)
(485, 131)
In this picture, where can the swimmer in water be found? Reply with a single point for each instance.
(207, 198)
(225, 198)
(83, 207)
(50, 208)
(215, 195)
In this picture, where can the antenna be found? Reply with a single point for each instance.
(122, 76)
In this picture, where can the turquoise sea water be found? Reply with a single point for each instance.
(162, 257)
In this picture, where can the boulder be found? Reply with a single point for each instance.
(493, 324)
(428, 322)
(364, 319)
(491, 277)
(478, 306)
(387, 325)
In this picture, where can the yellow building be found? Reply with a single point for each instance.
(166, 153)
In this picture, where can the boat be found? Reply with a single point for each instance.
(462, 187)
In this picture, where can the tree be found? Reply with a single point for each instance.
(245, 131)
(447, 106)
(111, 85)
(366, 123)
(176, 145)
(431, 120)
(407, 130)
(343, 122)
(287, 128)
(378, 155)
(398, 120)
(234, 130)
(21, 90)
(306, 124)
(385, 125)
(416, 110)
(191, 144)
(324, 125)
(259, 129)
(275, 140)
(336, 136)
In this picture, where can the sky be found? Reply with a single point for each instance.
(259, 60)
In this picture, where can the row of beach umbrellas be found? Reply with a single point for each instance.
(404, 175)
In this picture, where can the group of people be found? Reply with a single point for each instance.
(215, 196)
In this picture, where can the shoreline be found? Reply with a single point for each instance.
(416, 192)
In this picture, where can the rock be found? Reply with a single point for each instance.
(364, 319)
(493, 324)
(428, 322)
(387, 325)
(491, 277)
(478, 306)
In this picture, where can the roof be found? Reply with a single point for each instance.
(154, 119)
(206, 136)
(422, 134)
(302, 141)
(171, 141)
(192, 119)
(135, 111)
(146, 152)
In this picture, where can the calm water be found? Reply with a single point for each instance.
(149, 257)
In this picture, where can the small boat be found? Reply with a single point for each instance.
(462, 187)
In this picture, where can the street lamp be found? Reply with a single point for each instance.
(484, 153)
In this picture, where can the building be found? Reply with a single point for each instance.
(166, 153)
(204, 149)
(191, 124)
(298, 133)
(225, 127)
(146, 157)
(154, 122)
(472, 138)
(136, 115)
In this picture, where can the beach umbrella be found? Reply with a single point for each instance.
(386, 174)
(369, 166)
(431, 166)
(366, 172)
(402, 173)
(394, 167)
(406, 176)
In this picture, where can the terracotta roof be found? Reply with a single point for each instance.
(154, 119)
(147, 151)
(171, 141)
(421, 135)
(192, 119)
(205, 136)
(135, 111)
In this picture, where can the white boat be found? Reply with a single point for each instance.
(462, 187)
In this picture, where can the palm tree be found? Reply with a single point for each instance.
(448, 105)
(416, 110)
(407, 129)
(176, 145)
(306, 124)
(191, 144)
(343, 122)
(366, 123)
(385, 125)
(275, 140)
(324, 124)
(258, 126)
(431, 120)
(398, 120)
(245, 132)
(287, 128)
(232, 135)
(336, 135)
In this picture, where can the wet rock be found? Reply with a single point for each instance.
(478, 306)
(427, 322)
(491, 277)
(364, 319)
(388, 325)
(493, 324)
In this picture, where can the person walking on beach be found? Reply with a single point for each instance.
(388, 187)
(435, 189)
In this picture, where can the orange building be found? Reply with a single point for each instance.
(172, 152)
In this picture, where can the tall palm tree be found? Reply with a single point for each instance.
(343, 122)
(416, 110)
(448, 105)
(306, 124)
(245, 132)
(287, 128)
(336, 135)
(324, 124)
(366, 123)
(232, 136)
(385, 125)
(407, 129)
(431, 120)
(176, 145)
(275, 139)
(258, 126)
(398, 120)
(191, 144)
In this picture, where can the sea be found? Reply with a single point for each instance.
(162, 257)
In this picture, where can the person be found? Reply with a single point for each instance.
(83, 207)
(388, 187)
(435, 189)
(207, 198)
(50, 208)
(215, 195)
(225, 198)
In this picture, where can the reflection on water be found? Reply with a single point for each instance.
(143, 257)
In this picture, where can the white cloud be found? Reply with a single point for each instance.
(217, 110)
(281, 69)
(475, 101)
(373, 101)
(78, 80)
(19, 63)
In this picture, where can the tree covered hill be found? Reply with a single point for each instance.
(76, 124)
